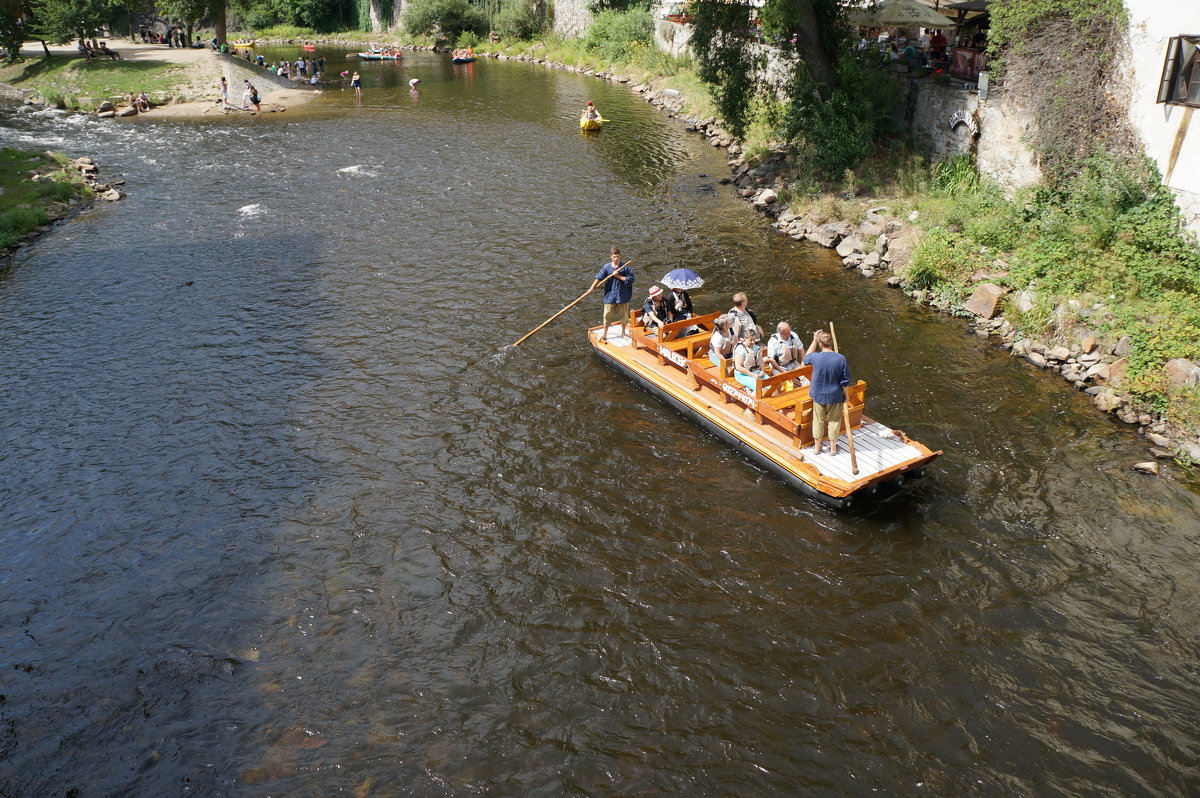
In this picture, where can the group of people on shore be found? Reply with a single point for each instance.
(101, 50)
(250, 95)
(737, 335)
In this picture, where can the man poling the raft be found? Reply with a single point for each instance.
(612, 268)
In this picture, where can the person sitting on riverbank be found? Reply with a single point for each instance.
(720, 344)
(748, 360)
(112, 55)
(141, 102)
(654, 311)
(784, 349)
(85, 49)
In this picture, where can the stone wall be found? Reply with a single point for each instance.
(671, 37)
(946, 121)
(571, 17)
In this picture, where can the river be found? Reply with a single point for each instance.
(278, 516)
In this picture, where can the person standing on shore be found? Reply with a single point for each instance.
(829, 376)
(246, 94)
(224, 93)
(356, 83)
(617, 293)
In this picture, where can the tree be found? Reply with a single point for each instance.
(59, 21)
(837, 103)
(189, 12)
(14, 14)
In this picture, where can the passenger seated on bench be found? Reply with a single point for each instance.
(744, 318)
(721, 343)
(748, 360)
(680, 303)
(113, 55)
(654, 312)
(784, 350)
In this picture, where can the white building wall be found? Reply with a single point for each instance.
(1164, 128)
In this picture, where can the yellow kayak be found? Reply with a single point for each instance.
(245, 43)
(590, 124)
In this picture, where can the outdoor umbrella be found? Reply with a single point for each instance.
(682, 278)
(901, 14)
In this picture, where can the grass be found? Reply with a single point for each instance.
(23, 200)
(62, 80)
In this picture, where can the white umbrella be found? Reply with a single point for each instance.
(901, 14)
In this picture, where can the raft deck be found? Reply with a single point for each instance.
(773, 425)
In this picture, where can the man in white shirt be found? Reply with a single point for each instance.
(784, 349)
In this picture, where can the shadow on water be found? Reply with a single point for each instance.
(297, 527)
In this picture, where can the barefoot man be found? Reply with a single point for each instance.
(829, 376)
(617, 293)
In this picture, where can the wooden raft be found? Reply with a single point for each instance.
(776, 420)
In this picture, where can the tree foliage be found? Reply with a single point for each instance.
(835, 105)
(448, 17)
(14, 15)
(59, 21)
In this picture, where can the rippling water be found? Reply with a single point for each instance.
(279, 518)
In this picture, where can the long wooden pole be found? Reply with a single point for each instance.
(573, 304)
(845, 413)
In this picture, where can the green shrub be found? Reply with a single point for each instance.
(614, 35)
(519, 19)
(449, 17)
(943, 260)
(16, 222)
(467, 38)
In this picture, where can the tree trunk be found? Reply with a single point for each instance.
(218, 18)
(187, 35)
(45, 47)
(812, 49)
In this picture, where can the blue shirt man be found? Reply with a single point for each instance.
(617, 292)
(830, 375)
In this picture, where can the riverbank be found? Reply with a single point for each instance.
(182, 83)
(40, 188)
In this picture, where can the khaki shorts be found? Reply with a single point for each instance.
(617, 313)
(827, 417)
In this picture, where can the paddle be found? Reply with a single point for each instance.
(845, 414)
(573, 304)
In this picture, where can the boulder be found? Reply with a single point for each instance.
(881, 244)
(1036, 359)
(106, 106)
(1097, 372)
(850, 246)
(1059, 353)
(1161, 453)
(985, 302)
(787, 217)
(130, 111)
(871, 261)
(1158, 440)
(106, 114)
(895, 281)
(1107, 400)
(869, 229)
(828, 235)
(1148, 467)
(112, 195)
(1128, 415)
(765, 197)
(853, 260)
(1181, 372)
(1024, 301)
(1088, 344)
(1123, 347)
